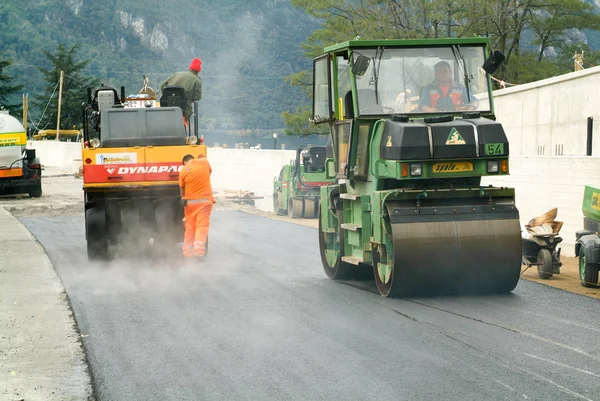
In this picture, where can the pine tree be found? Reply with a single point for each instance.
(74, 89)
(8, 90)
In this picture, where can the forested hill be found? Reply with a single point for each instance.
(247, 47)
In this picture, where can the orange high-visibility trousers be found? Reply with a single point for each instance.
(197, 222)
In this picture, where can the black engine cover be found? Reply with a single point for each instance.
(492, 138)
(404, 141)
(453, 140)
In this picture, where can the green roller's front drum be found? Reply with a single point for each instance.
(482, 255)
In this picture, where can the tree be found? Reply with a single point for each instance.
(8, 90)
(554, 20)
(73, 89)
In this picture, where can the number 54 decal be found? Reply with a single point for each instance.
(494, 149)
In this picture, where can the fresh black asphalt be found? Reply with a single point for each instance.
(259, 320)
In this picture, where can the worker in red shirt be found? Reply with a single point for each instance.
(197, 198)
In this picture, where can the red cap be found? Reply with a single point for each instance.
(196, 65)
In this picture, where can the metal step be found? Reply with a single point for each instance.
(349, 196)
(355, 260)
(350, 227)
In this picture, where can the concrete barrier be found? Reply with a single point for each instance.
(56, 153)
(250, 170)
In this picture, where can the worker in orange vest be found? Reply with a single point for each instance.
(197, 198)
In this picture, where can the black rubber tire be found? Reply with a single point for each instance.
(37, 192)
(588, 273)
(275, 203)
(291, 208)
(544, 268)
(97, 241)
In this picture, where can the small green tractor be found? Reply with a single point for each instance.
(296, 191)
(413, 130)
(587, 244)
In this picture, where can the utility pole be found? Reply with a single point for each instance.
(25, 108)
(60, 83)
(578, 61)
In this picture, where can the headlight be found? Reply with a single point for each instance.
(416, 170)
(493, 166)
(192, 140)
(95, 143)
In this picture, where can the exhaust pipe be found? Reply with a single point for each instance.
(196, 119)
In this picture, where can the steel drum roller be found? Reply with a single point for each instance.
(456, 248)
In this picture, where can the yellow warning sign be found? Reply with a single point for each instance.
(389, 141)
(455, 138)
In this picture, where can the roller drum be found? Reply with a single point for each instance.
(456, 249)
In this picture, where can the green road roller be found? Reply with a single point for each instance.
(296, 191)
(413, 130)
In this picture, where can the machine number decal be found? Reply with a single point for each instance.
(116, 158)
(452, 167)
(494, 149)
(455, 138)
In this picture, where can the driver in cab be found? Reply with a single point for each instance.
(445, 94)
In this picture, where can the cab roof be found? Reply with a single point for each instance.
(389, 43)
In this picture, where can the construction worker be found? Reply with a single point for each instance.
(445, 94)
(197, 199)
(191, 83)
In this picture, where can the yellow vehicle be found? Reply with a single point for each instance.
(20, 169)
(132, 156)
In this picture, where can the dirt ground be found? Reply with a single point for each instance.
(567, 280)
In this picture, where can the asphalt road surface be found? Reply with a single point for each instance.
(260, 321)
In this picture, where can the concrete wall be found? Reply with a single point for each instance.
(543, 183)
(549, 117)
(250, 170)
(56, 154)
